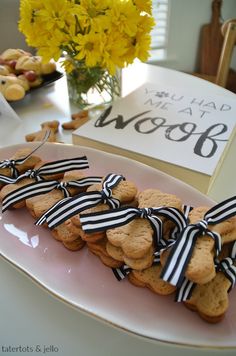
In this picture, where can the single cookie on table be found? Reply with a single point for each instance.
(46, 126)
(78, 120)
(201, 267)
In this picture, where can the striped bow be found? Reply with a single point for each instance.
(47, 169)
(72, 206)
(110, 219)
(12, 163)
(225, 266)
(181, 252)
(228, 267)
(43, 187)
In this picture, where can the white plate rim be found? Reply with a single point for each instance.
(57, 295)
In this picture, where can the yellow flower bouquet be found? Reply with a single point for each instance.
(93, 38)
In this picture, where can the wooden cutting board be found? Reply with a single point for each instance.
(211, 41)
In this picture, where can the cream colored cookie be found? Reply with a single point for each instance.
(48, 68)
(27, 63)
(13, 53)
(4, 70)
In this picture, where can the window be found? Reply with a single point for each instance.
(160, 31)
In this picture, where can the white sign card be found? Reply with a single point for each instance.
(168, 124)
(8, 119)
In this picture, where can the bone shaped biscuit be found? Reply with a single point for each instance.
(39, 204)
(150, 278)
(211, 300)
(136, 237)
(201, 267)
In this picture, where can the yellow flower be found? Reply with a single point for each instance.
(56, 14)
(89, 48)
(103, 33)
(124, 16)
(144, 5)
(139, 45)
(91, 14)
(114, 50)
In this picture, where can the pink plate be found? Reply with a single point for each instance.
(80, 279)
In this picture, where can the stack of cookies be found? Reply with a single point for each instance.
(21, 71)
(148, 236)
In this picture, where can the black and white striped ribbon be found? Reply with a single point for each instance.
(181, 252)
(110, 219)
(43, 187)
(226, 266)
(72, 206)
(123, 271)
(49, 168)
(185, 291)
(12, 163)
(175, 233)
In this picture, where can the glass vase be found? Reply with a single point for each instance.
(92, 86)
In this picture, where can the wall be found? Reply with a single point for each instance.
(186, 19)
(9, 34)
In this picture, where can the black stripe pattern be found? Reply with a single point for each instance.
(43, 187)
(226, 265)
(95, 222)
(47, 169)
(181, 252)
(67, 208)
(12, 163)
